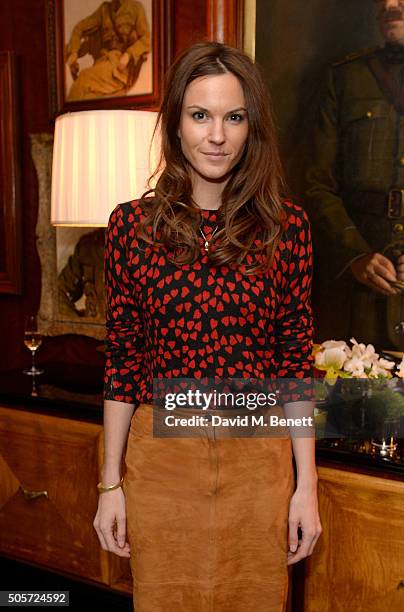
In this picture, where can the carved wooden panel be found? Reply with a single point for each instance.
(225, 21)
(10, 214)
(358, 562)
(48, 495)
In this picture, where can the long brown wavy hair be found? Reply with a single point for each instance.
(251, 205)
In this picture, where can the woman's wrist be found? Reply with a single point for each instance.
(307, 483)
(110, 475)
(102, 488)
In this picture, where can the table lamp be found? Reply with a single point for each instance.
(100, 158)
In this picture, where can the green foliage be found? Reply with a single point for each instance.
(386, 404)
(359, 406)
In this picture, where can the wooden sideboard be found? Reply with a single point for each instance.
(50, 459)
(358, 563)
(50, 454)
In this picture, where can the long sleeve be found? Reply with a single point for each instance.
(294, 319)
(336, 238)
(124, 343)
(91, 23)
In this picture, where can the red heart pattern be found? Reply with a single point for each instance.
(196, 320)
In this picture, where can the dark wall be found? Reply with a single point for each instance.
(190, 23)
(294, 44)
(23, 30)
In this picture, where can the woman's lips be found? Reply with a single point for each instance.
(215, 155)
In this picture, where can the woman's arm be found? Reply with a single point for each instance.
(110, 519)
(117, 418)
(303, 509)
(124, 348)
(294, 343)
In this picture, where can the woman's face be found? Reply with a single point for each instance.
(213, 126)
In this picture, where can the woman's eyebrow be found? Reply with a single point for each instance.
(235, 110)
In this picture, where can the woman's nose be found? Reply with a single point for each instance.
(216, 132)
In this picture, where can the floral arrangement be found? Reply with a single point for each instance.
(338, 360)
(379, 382)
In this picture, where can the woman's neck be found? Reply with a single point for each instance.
(207, 195)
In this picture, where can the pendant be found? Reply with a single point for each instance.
(206, 246)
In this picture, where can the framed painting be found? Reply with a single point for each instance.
(110, 54)
(72, 282)
(336, 76)
(294, 55)
(10, 213)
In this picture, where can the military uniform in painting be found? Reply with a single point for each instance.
(114, 29)
(355, 196)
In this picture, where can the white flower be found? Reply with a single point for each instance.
(364, 352)
(386, 363)
(360, 361)
(355, 366)
(333, 354)
(335, 344)
(379, 369)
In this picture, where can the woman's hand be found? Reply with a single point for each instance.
(303, 513)
(110, 523)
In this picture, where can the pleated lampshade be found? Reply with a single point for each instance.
(100, 158)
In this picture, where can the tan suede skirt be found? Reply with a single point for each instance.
(207, 519)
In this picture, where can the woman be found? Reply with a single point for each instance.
(206, 517)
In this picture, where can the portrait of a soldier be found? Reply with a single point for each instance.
(117, 36)
(355, 190)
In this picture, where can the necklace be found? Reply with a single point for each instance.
(206, 245)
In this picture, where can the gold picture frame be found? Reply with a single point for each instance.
(54, 319)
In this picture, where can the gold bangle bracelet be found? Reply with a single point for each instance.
(102, 489)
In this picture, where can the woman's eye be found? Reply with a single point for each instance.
(198, 115)
(236, 117)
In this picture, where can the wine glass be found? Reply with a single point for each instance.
(387, 441)
(32, 340)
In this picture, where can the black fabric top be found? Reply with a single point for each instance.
(198, 320)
